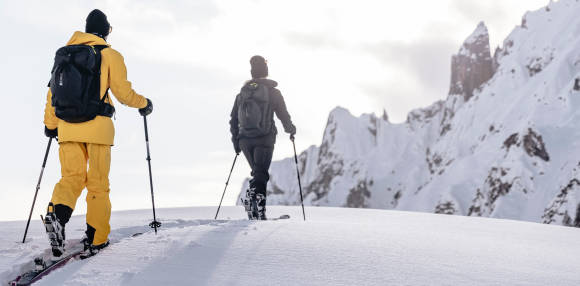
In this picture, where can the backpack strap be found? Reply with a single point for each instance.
(100, 47)
(266, 92)
(107, 109)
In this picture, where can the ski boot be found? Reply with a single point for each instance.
(261, 207)
(90, 249)
(39, 264)
(250, 204)
(55, 231)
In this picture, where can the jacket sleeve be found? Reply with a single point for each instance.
(281, 111)
(234, 127)
(50, 119)
(119, 84)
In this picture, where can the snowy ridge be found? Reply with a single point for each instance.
(335, 246)
(504, 143)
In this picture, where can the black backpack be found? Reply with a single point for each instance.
(255, 114)
(76, 83)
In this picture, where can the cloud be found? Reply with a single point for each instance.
(427, 61)
(480, 10)
(312, 40)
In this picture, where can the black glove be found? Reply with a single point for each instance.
(292, 132)
(51, 133)
(147, 109)
(237, 146)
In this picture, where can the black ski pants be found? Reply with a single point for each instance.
(258, 151)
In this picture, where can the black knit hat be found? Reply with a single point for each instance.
(259, 67)
(97, 24)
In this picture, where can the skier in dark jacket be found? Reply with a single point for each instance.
(254, 131)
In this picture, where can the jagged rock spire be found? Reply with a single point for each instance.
(385, 116)
(472, 65)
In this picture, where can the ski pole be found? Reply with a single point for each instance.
(227, 182)
(298, 174)
(37, 188)
(154, 224)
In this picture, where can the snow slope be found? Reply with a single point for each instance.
(333, 247)
(505, 143)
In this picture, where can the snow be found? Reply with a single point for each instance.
(335, 246)
(454, 156)
(479, 32)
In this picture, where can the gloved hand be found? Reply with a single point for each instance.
(292, 132)
(51, 133)
(237, 146)
(147, 109)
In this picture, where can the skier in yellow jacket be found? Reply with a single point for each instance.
(89, 143)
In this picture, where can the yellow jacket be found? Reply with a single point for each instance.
(114, 76)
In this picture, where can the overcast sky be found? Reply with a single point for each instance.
(191, 58)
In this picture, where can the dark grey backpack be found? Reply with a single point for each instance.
(255, 113)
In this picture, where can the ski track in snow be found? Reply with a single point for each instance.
(333, 247)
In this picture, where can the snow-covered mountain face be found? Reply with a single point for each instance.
(505, 143)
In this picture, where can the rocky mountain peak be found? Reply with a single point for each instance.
(479, 34)
(509, 152)
(472, 65)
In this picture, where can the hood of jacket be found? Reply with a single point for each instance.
(80, 38)
(264, 81)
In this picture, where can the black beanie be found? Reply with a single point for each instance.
(259, 67)
(97, 24)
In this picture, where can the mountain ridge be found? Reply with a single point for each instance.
(502, 144)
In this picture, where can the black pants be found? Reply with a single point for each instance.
(258, 152)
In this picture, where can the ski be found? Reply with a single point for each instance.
(45, 266)
(42, 268)
(280, 217)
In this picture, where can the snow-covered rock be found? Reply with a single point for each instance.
(505, 143)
